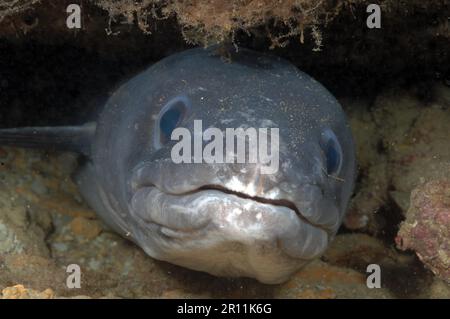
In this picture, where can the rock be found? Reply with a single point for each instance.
(30, 268)
(427, 227)
(86, 228)
(9, 242)
(415, 138)
(438, 290)
(3, 154)
(182, 294)
(18, 215)
(320, 280)
(372, 169)
(20, 292)
(38, 187)
(402, 142)
(442, 95)
(370, 197)
(77, 297)
(18, 236)
(401, 199)
(357, 251)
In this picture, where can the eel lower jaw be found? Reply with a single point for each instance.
(211, 221)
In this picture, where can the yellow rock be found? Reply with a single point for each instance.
(86, 228)
(20, 292)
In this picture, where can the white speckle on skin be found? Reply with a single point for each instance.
(266, 98)
(226, 121)
(237, 186)
(237, 211)
(268, 123)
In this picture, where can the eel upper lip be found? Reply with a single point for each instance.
(263, 200)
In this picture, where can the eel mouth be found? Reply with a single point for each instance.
(258, 199)
(282, 203)
(273, 202)
(215, 216)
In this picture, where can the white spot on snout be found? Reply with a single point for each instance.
(237, 211)
(236, 185)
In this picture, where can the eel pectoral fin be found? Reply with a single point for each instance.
(64, 138)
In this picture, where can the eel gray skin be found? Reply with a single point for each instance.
(224, 219)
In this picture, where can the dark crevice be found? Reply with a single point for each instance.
(407, 281)
(388, 219)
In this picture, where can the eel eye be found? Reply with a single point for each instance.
(171, 115)
(332, 151)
